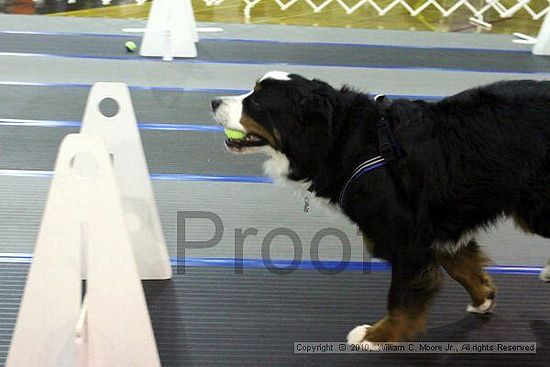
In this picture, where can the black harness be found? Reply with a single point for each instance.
(389, 149)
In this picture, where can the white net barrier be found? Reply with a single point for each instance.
(504, 9)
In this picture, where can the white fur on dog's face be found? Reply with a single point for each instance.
(276, 75)
(228, 114)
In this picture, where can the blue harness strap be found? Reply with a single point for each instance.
(363, 168)
(389, 149)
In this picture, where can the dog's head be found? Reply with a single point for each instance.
(286, 116)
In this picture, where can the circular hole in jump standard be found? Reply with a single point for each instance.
(109, 107)
(84, 165)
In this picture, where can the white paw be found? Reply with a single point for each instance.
(545, 274)
(485, 307)
(357, 336)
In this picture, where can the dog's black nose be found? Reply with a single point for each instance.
(216, 102)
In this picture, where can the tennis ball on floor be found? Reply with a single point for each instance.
(130, 46)
(234, 134)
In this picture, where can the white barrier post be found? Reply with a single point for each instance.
(100, 223)
(171, 30)
(121, 135)
(83, 222)
(542, 47)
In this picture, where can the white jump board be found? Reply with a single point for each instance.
(171, 30)
(83, 215)
(100, 223)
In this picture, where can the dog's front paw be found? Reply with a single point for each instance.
(486, 307)
(359, 335)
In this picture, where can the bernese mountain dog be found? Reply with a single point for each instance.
(418, 178)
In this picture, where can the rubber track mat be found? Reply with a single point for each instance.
(68, 103)
(213, 317)
(23, 200)
(150, 105)
(290, 53)
(190, 152)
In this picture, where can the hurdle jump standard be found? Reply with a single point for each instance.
(101, 224)
(171, 30)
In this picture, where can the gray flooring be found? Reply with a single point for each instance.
(166, 151)
(305, 305)
(192, 152)
(214, 317)
(254, 52)
(273, 33)
(37, 69)
(24, 200)
(151, 106)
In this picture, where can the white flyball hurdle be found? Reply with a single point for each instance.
(542, 46)
(121, 134)
(100, 223)
(171, 30)
(541, 43)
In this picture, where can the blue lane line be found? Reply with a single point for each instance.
(264, 41)
(131, 87)
(210, 178)
(373, 67)
(85, 57)
(141, 125)
(154, 176)
(281, 264)
(188, 89)
(363, 45)
(180, 127)
(73, 34)
(38, 123)
(244, 62)
(25, 173)
(374, 266)
(16, 255)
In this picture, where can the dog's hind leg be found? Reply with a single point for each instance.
(415, 280)
(467, 267)
(532, 215)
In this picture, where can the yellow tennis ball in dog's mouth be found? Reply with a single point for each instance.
(234, 134)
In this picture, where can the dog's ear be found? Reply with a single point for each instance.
(318, 105)
(317, 116)
(318, 121)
